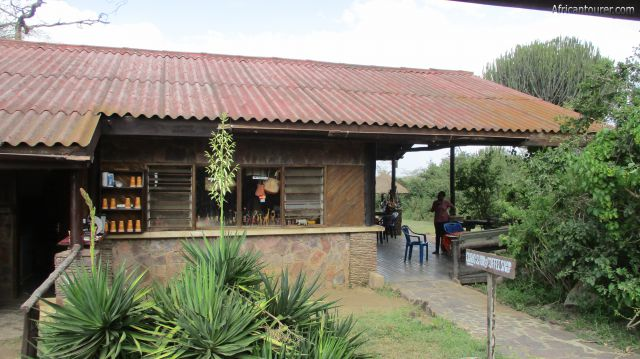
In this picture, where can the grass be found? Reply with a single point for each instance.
(388, 292)
(420, 226)
(406, 332)
(594, 325)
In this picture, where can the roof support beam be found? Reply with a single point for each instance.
(442, 138)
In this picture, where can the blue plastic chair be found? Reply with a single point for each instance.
(423, 245)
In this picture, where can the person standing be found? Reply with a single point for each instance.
(440, 207)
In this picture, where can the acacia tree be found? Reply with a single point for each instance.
(549, 70)
(17, 19)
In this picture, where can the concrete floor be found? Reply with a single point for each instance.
(518, 334)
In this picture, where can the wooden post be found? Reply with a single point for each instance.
(30, 333)
(452, 176)
(370, 184)
(491, 315)
(394, 164)
(75, 213)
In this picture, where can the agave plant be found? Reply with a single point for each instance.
(292, 304)
(200, 317)
(99, 319)
(238, 269)
(331, 338)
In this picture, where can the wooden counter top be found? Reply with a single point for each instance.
(251, 231)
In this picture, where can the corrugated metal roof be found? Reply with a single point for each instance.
(54, 94)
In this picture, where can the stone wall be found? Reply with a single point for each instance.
(339, 259)
(363, 258)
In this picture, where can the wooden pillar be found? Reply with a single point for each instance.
(369, 184)
(30, 333)
(394, 164)
(76, 205)
(452, 176)
(491, 315)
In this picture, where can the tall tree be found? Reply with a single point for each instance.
(549, 70)
(17, 18)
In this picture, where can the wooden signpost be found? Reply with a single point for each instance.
(494, 266)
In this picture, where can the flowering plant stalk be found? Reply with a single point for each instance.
(221, 169)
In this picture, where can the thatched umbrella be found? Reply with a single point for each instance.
(383, 184)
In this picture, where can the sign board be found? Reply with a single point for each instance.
(502, 266)
(494, 266)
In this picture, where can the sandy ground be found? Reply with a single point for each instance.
(360, 300)
(10, 330)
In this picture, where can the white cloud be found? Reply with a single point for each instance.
(410, 33)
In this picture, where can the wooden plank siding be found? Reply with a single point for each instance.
(344, 162)
(344, 195)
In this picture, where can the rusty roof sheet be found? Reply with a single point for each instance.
(54, 94)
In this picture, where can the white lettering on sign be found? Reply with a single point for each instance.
(496, 264)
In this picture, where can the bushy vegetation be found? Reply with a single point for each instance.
(487, 185)
(574, 208)
(551, 70)
(579, 218)
(100, 319)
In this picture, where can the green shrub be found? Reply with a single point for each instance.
(199, 317)
(293, 304)
(223, 254)
(331, 338)
(99, 319)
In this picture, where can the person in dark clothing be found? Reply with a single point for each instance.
(440, 207)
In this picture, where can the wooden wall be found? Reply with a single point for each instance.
(344, 161)
(249, 151)
(344, 191)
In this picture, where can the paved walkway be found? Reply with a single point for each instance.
(517, 334)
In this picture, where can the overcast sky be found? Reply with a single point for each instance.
(422, 34)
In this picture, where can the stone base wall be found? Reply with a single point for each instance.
(339, 259)
(363, 258)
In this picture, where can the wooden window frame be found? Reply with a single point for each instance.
(281, 167)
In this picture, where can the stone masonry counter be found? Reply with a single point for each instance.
(340, 256)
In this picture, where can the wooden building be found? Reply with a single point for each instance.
(132, 126)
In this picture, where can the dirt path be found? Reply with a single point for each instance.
(10, 330)
(517, 334)
(360, 300)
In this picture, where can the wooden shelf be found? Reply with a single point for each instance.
(123, 188)
(121, 209)
(121, 195)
